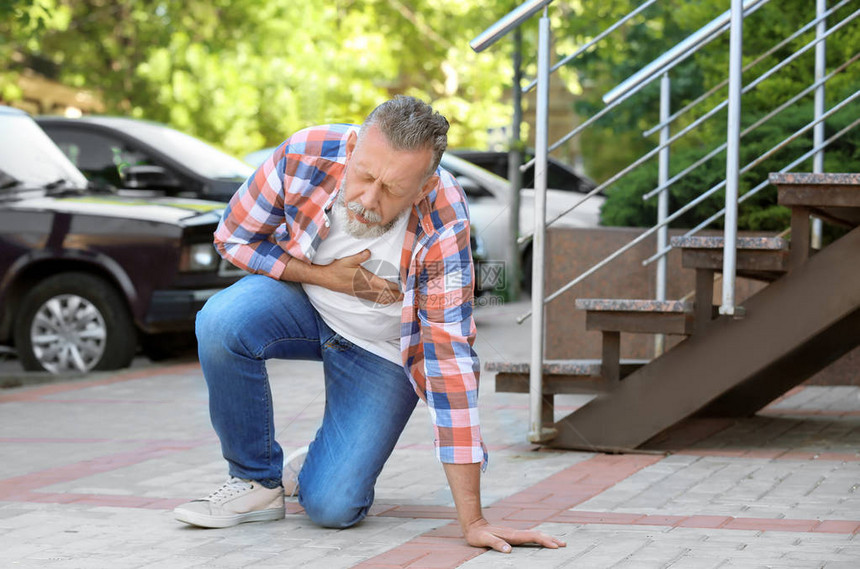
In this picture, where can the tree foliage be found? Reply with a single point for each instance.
(244, 74)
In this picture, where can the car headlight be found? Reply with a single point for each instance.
(199, 257)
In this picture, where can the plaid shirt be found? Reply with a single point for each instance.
(279, 213)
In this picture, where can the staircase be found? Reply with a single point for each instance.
(806, 318)
(733, 359)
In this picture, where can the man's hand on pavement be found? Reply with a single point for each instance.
(465, 483)
(482, 534)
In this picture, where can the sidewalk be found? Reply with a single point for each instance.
(92, 467)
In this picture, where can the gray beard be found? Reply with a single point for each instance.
(354, 227)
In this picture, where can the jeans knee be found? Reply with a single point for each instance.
(209, 331)
(219, 326)
(203, 324)
(331, 511)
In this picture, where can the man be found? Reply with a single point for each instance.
(331, 202)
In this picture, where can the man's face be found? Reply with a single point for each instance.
(380, 182)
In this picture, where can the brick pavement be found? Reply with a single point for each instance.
(92, 467)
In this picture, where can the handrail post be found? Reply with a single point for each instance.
(536, 431)
(818, 133)
(733, 158)
(663, 200)
(515, 175)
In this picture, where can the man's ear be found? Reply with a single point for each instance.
(351, 141)
(431, 183)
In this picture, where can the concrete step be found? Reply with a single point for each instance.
(835, 198)
(560, 376)
(637, 315)
(760, 258)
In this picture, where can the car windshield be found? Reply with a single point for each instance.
(28, 156)
(195, 154)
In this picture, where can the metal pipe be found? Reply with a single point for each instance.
(684, 49)
(818, 132)
(804, 49)
(593, 41)
(578, 129)
(755, 83)
(663, 202)
(623, 172)
(615, 177)
(733, 158)
(507, 23)
(536, 431)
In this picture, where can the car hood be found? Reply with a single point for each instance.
(173, 211)
(486, 210)
(558, 202)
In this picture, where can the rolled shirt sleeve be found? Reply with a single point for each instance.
(451, 367)
(250, 228)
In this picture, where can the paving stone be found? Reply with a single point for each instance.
(90, 471)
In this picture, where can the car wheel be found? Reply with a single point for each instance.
(74, 322)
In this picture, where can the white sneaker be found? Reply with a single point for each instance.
(236, 502)
(292, 466)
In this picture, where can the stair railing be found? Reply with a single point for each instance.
(731, 20)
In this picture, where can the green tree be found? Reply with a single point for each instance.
(244, 74)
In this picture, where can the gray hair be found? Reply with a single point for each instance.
(410, 124)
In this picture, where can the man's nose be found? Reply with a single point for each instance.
(371, 196)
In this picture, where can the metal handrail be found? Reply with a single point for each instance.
(692, 126)
(674, 116)
(596, 39)
(643, 77)
(807, 155)
(507, 23)
(692, 203)
(682, 50)
(665, 144)
(752, 127)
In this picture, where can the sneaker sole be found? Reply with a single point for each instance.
(208, 521)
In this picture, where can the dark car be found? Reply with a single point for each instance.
(131, 153)
(86, 275)
(560, 175)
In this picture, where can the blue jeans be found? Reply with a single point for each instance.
(368, 398)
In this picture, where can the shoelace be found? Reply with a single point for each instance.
(231, 488)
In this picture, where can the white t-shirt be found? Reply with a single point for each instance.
(374, 327)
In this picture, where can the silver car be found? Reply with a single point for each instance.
(489, 199)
